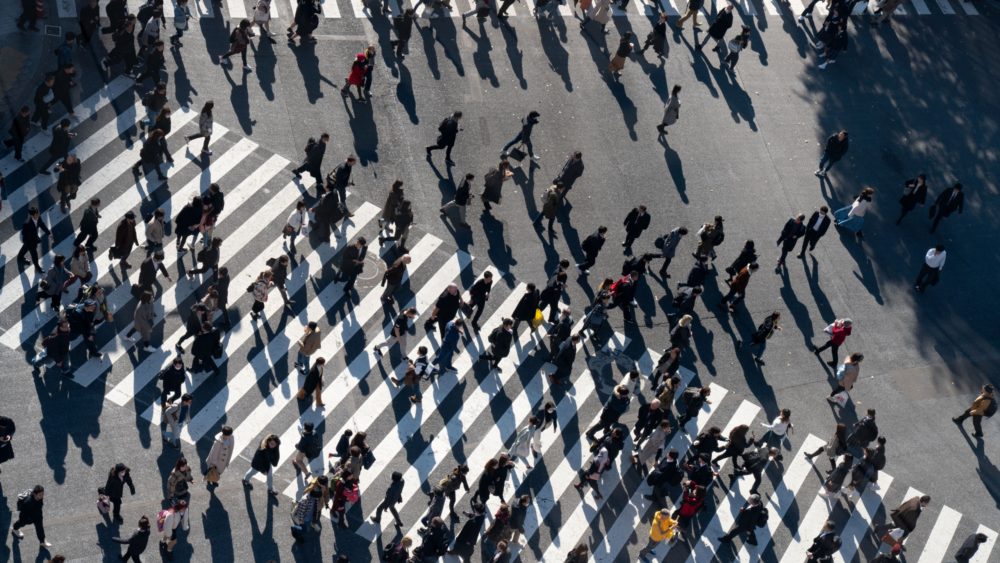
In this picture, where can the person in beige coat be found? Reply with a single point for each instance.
(309, 342)
(981, 406)
(143, 320)
(847, 376)
(220, 455)
(600, 12)
(671, 110)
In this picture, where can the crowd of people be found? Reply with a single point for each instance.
(678, 481)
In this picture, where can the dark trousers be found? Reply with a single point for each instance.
(41, 115)
(478, 306)
(17, 142)
(29, 249)
(89, 236)
(927, 276)
(204, 144)
(630, 237)
(977, 421)
(391, 507)
(170, 394)
(590, 260)
(784, 253)
(540, 216)
(809, 8)
(666, 264)
(447, 149)
(348, 277)
(757, 475)
(736, 530)
(834, 348)
(116, 504)
(22, 522)
(226, 322)
(313, 171)
(810, 239)
(734, 295)
(602, 425)
(129, 554)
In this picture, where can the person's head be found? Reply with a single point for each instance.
(227, 430)
(50, 79)
(786, 414)
(533, 114)
(361, 242)
(508, 323)
(847, 322)
(642, 209)
(685, 320)
(457, 115)
(181, 506)
(308, 428)
(186, 399)
(207, 108)
(351, 160)
(753, 266)
(68, 68)
(925, 500)
(324, 138)
(938, 249)
(800, 217)
(181, 464)
(224, 272)
(158, 256)
(143, 523)
(621, 391)
(754, 499)
(38, 492)
(958, 186)
(705, 391)
(675, 90)
(65, 123)
(856, 358)
(470, 177)
(842, 134)
(829, 526)
(988, 389)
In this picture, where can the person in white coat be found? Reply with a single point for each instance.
(262, 17)
(600, 12)
(671, 110)
(220, 455)
(652, 448)
(171, 518)
(527, 442)
(296, 224)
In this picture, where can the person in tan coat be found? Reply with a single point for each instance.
(309, 343)
(738, 287)
(983, 405)
(906, 515)
(847, 375)
(219, 456)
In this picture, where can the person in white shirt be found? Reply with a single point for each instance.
(930, 271)
(852, 217)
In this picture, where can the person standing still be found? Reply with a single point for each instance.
(930, 270)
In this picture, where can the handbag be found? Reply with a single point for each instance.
(368, 459)
(288, 230)
(517, 153)
(466, 309)
(213, 475)
(828, 329)
(841, 398)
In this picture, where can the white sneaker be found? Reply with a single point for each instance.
(247, 68)
(18, 534)
(46, 544)
(151, 348)
(822, 66)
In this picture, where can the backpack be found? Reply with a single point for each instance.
(232, 39)
(991, 409)
(310, 145)
(659, 242)
(762, 517)
(22, 499)
(352, 495)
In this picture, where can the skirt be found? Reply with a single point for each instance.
(852, 224)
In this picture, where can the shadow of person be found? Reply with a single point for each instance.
(308, 63)
(865, 272)
(499, 252)
(514, 54)
(676, 168)
(552, 46)
(361, 120)
(481, 56)
(404, 93)
(239, 99)
(264, 62)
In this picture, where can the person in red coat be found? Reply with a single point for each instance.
(356, 77)
(838, 330)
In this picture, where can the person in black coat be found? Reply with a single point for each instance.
(635, 223)
(479, 294)
(393, 496)
(793, 230)
(338, 180)
(524, 135)
(30, 237)
(825, 544)
(313, 161)
(571, 171)
(151, 154)
(445, 309)
(816, 227)
(950, 200)
(694, 398)
(119, 477)
(468, 536)
(172, 378)
(221, 287)
(31, 513)
(550, 296)
(747, 520)
(504, 465)
(447, 135)
(501, 339)
(137, 542)
(657, 38)
(436, 538)
(62, 137)
(864, 431)
(43, 100)
(591, 247)
(526, 307)
(651, 414)
(914, 193)
(264, 458)
(19, 130)
(28, 17)
(717, 31)
(352, 263)
(836, 148)
(461, 201)
(564, 358)
(7, 428)
(613, 410)
(206, 344)
(970, 546)
(403, 25)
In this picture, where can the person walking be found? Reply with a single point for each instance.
(970, 546)
(501, 339)
(668, 248)
(765, 330)
(950, 200)
(693, 7)
(239, 39)
(264, 458)
(262, 18)
(453, 332)
(662, 528)
(313, 161)
(404, 220)
(523, 136)
(735, 46)
(260, 289)
(179, 481)
(69, 171)
(400, 328)
(137, 542)
(551, 199)
(29, 16)
(838, 330)
(825, 545)
(657, 39)
(816, 227)
(460, 201)
(613, 410)
(219, 456)
(836, 147)
(914, 193)
(527, 442)
(172, 518)
(834, 448)
(591, 247)
(126, 239)
(308, 448)
(564, 358)
(570, 172)
(852, 217)
(43, 99)
(356, 76)
(754, 463)
(151, 155)
(205, 122)
(208, 258)
(479, 294)
(296, 224)
(493, 182)
(393, 278)
(352, 263)
(983, 405)
(793, 230)
(621, 55)
(447, 135)
(118, 478)
(738, 287)
(175, 415)
(55, 348)
(393, 496)
(393, 200)
(847, 376)
(30, 505)
(402, 24)
(59, 146)
(717, 31)
(905, 516)
(445, 308)
(671, 110)
(313, 383)
(600, 463)
(635, 223)
(279, 276)
(20, 127)
(752, 515)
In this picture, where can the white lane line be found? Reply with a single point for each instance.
(945, 7)
(921, 7)
(330, 9)
(259, 365)
(85, 110)
(579, 522)
(859, 525)
(968, 8)
(237, 9)
(441, 447)
(333, 343)
(983, 554)
(944, 529)
(244, 329)
(809, 526)
(783, 498)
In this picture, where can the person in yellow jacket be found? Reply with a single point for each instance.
(664, 528)
(980, 407)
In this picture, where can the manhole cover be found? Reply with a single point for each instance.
(53, 30)
(373, 268)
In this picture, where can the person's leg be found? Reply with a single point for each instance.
(447, 151)
(977, 425)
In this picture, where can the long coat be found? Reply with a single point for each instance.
(522, 443)
(144, 316)
(525, 309)
(671, 111)
(221, 453)
(601, 11)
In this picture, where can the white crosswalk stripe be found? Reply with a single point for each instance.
(466, 416)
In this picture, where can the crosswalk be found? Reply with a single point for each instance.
(283, 10)
(468, 415)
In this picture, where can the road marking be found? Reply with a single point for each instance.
(944, 529)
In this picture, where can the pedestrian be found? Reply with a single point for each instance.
(356, 76)
(884, 11)
(591, 247)
(864, 431)
(151, 154)
(154, 102)
(852, 217)
(834, 448)
(30, 504)
(717, 31)
(653, 448)
(501, 339)
(525, 309)
(279, 276)
(905, 516)
(621, 54)
(838, 330)
(55, 283)
(592, 475)
(397, 335)
(393, 278)
(219, 456)
(671, 110)
(833, 39)
(175, 415)
(404, 220)
(753, 515)
(147, 272)
(847, 375)
(570, 172)
(445, 308)
(447, 134)
(663, 527)
(20, 127)
(825, 545)
(793, 230)
(208, 258)
(87, 234)
(179, 481)
(450, 338)
(391, 206)
(970, 546)
(7, 429)
(914, 193)
(736, 443)
(264, 458)
(680, 335)
(167, 521)
(816, 227)
(479, 294)
(260, 288)
(778, 429)
(580, 553)
(493, 184)
(155, 63)
(81, 317)
(403, 26)
(119, 477)
(735, 46)
(308, 448)
(64, 81)
(55, 348)
(192, 325)
(313, 383)
(436, 539)
(205, 123)
(126, 239)
(393, 496)
(352, 263)
(657, 39)
(613, 410)
(207, 345)
(564, 358)
(44, 99)
(238, 41)
(983, 405)
(635, 223)
(836, 148)
(29, 16)
(738, 287)
(262, 18)
(305, 21)
(551, 294)
(182, 15)
(137, 542)
(296, 224)
(124, 50)
(523, 136)
(59, 147)
(693, 7)
(560, 332)
(950, 200)
(527, 442)
(460, 201)
(863, 472)
(764, 332)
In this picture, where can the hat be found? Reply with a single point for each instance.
(361, 56)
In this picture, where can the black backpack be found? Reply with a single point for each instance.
(22, 499)
(762, 517)
(991, 409)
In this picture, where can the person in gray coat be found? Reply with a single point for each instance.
(671, 111)
(669, 248)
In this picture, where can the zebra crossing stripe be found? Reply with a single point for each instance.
(578, 523)
(945, 7)
(809, 527)
(944, 529)
(921, 7)
(333, 343)
(968, 8)
(983, 554)
(258, 366)
(857, 527)
(18, 288)
(85, 110)
(361, 11)
(783, 498)
(237, 9)
(330, 9)
(440, 450)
